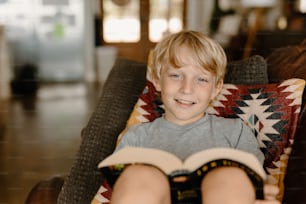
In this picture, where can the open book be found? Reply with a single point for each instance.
(193, 169)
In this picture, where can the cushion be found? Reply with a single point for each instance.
(252, 70)
(287, 62)
(103, 195)
(270, 110)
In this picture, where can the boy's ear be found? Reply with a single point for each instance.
(156, 83)
(218, 88)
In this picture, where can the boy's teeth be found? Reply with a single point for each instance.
(185, 102)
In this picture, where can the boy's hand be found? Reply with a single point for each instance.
(270, 193)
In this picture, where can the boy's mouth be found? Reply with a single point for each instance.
(184, 102)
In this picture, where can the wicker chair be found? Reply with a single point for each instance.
(120, 92)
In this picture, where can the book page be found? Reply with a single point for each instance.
(165, 161)
(198, 159)
(169, 163)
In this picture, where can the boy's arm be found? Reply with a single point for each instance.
(248, 142)
(130, 138)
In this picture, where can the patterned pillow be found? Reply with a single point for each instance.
(270, 110)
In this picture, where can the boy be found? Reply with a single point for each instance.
(188, 71)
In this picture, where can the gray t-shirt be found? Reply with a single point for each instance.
(208, 132)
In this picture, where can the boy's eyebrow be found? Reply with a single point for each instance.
(206, 72)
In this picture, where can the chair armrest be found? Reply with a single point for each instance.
(45, 191)
(119, 94)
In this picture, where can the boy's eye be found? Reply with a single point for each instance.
(174, 75)
(202, 80)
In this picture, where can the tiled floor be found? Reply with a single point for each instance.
(41, 136)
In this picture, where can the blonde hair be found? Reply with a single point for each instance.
(206, 53)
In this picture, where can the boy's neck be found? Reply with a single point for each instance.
(184, 124)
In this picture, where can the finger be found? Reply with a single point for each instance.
(270, 190)
(267, 202)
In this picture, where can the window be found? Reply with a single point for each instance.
(121, 21)
(301, 6)
(166, 16)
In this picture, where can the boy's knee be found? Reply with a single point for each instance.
(141, 184)
(143, 171)
(232, 175)
(232, 183)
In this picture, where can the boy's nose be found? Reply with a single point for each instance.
(187, 86)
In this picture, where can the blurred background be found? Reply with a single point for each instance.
(55, 56)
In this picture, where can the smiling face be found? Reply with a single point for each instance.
(186, 91)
